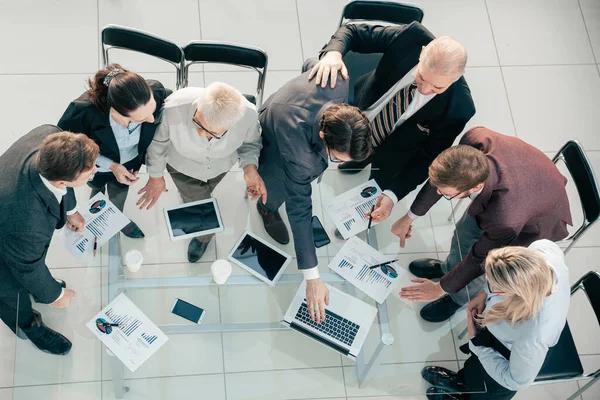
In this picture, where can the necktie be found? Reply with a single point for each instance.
(384, 122)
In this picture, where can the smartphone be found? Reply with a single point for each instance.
(319, 235)
(187, 311)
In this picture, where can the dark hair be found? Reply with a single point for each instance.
(461, 167)
(346, 131)
(63, 156)
(125, 91)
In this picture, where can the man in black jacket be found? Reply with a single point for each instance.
(416, 100)
(40, 171)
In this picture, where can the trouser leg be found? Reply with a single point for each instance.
(474, 376)
(466, 234)
(16, 310)
(117, 194)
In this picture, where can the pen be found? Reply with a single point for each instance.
(371, 216)
(382, 264)
(95, 245)
(109, 324)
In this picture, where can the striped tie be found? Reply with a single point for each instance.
(384, 122)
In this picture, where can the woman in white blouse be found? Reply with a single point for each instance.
(204, 132)
(512, 324)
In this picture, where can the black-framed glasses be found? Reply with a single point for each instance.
(214, 135)
(333, 160)
(450, 197)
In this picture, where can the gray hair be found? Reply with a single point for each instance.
(445, 56)
(221, 105)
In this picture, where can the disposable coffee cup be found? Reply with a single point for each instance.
(133, 260)
(221, 270)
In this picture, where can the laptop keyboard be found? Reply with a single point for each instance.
(334, 326)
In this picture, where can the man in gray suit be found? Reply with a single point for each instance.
(40, 171)
(304, 125)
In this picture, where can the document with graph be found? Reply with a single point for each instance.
(102, 221)
(348, 209)
(127, 332)
(352, 263)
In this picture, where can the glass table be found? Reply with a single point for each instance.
(241, 350)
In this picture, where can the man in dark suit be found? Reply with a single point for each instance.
(304, 126)
(36, 197)
(518, 196)
(416, 99)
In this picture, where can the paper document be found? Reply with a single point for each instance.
(352, 263)
(348, 209)
(102, 220)
(135, 338)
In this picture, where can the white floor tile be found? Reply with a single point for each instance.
(318, 21)
(6, 394)
(48, 37)
(392, 380)
(590, 365)
(552, 391)
(271, 25)
(584, 324)
(491, 101)
(459, 19)
(8, 342)
(182, 387)
(275, 350)
(543, 115)
(591, 16)
(282, 385)
(267, 304)
(74, 391)
(32, 367)
(176, 21)
(541, 43)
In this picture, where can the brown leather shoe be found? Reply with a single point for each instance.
(274, 225)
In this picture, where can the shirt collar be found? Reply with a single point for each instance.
(474, 195)
(57, 192)
(114, 123)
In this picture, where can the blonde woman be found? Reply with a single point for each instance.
(512, 324)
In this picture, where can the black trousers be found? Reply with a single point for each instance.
(15, 309)
(474, 375)
(106, 181)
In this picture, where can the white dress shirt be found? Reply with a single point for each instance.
(419, 100)
(528, 340)
(58, 194)
(178, 143)
(127, 141)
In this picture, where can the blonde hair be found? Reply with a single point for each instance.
(445, 56)
(526, 279)
(221, 105)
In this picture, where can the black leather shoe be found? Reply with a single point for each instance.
(131, 230)
(274, 225)
(443, 378)
(440, 310)
(62, 283)
(434, 393)
(353, 167)
(196, 250)
(46, 339)
(428, 268)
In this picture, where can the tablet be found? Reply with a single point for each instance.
(260, 258)
(198, 218)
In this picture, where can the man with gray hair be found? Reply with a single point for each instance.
(416, 100)
(203, 133)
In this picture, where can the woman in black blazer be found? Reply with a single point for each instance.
(120, 112)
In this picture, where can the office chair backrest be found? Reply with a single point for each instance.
(590, 283)
(373, 11)
(114, 36)
(206, 51)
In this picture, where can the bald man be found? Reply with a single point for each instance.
(417, 100)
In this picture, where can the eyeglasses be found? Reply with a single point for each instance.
(450, 197)
(490, 289)
(333, 160)
(214, 135)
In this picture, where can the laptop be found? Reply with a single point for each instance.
(346, 325)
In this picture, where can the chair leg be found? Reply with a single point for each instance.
(585, 387)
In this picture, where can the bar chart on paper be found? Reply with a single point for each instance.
(352, 263)
(349, 210)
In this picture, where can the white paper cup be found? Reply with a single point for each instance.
(133, 260)
(221, 270)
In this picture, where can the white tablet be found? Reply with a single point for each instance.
(198, 218)
(259, 257)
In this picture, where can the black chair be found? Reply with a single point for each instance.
(562, 361)
(121, 37)
(582, 175)
(207, 51)
(374, 11)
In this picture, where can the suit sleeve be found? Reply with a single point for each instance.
(472, 265)
(72, 120)
(156, 154)
(25, 256)
(362, 38)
